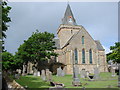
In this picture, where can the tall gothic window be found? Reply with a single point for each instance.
(83, 56)
(82, 39)
(90, 56)
(76, 56)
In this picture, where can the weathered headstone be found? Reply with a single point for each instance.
(29, 68)
(96, 73)
(59, 71)
(38, 73)
(62, 73)
(87, 74)
(83, 73)
(50, 76)
(47, 74)
(76, 81)
(43, 75)
(35, 72)
(24, 69)
(113, 71)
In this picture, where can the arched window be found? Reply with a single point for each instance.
(83, 56)
(82, 39)
(90, 56)
(76, 56)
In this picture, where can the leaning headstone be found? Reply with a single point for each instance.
(96, 73)
(76, 81)
(43, 75)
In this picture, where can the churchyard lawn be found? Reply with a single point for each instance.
(36, 82)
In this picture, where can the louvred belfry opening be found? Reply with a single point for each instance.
(68, 17)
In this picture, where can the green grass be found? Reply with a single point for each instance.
(36, 82)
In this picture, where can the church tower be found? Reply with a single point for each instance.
(76, 46)
(68, 27)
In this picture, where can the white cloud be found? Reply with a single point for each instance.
(107, 50)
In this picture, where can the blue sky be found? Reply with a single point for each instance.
(100, 19)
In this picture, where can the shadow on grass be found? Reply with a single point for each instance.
(32, 82)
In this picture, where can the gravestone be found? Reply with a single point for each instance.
(43, 75)
(96, 73)
(76, 81)
(47, 74)
(29, 68)
(35, 72)
(24, 69)
(50, 76)
(63, 73)
(113, 71)
(38, 73)
(83, 73)
(59, 71)
(87, 74)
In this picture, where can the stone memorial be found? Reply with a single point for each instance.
(50, 76)
(113, 72)
(96, 73)
(47, 74)
(24, 69)
(83, 73)
(43, 75)
(76, 81)
(59, 71)
(38, 73)
(35, 72)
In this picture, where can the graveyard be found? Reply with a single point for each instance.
(105, 81)
(79, 79)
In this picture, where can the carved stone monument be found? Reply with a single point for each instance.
(43, 75)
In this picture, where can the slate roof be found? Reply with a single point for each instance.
(99, 46)
(68, 14)
(57, 43)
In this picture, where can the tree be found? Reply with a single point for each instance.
(115, 54)
(7, 60)
(40, 46)
(5, 19)
(11, 62)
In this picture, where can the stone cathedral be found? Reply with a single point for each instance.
(75, 46)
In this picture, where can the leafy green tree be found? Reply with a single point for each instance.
(5, 17)
(40, 46)
(5, 9)
(115, 54)
(11, 62)
(7, 60)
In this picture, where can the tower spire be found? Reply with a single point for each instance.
(68, 17)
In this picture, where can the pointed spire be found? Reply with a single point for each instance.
(68, 17)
